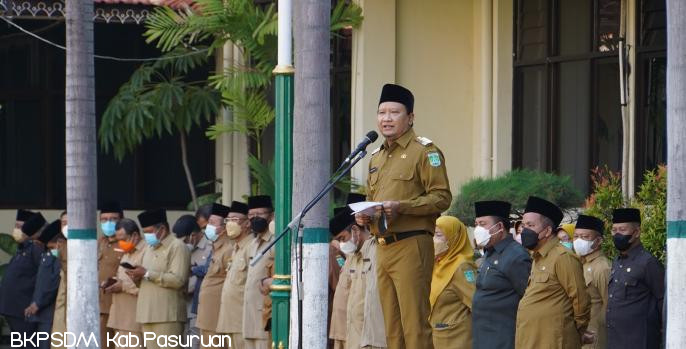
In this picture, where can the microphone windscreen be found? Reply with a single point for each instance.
(372, 135)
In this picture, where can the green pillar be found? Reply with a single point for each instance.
(283, 164)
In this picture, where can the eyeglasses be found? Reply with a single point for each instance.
(233, 219)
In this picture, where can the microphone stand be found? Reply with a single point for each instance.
(295, 224)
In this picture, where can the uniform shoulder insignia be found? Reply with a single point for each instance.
(424, 141)
(376, 150)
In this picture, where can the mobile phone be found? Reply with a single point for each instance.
(127, 265)
(109, 282)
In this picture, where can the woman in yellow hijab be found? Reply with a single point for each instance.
(452, 285)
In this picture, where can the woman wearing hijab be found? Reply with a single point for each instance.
(452, 285)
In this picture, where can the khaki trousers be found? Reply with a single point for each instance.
(129, 334)
(104, 331)
(163, 329)
(404, 280)
(257, 344)
(237, 341)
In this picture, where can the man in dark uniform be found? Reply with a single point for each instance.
(19, 280)
(637, 287)
(408, 175)
(42, 306)
(502, 277)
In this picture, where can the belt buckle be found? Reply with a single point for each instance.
(382, 241)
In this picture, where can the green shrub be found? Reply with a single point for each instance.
(515, 187)
(651, 199)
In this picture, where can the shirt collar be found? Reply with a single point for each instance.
(548, 246)
(221, 240)
(632, 253)
(202, 243)
(402, 141)
(167, 239)
(591, 256)
(140, 245)
(502, 244)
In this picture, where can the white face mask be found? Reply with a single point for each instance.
(65, 231)
(583, 247)
(349, 247)
(482, 236)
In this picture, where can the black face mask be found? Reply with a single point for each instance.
(622, 242)
(529, 238)
(259, 225)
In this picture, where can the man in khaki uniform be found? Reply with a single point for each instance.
(59, 320)
(407, 173)
(555, 308)
(364, 313)
(588, 240)
(109, 257)
(125, 291)
(339, 227)
(231, 306)
(211, 288)
(161, 306)
(260, 213)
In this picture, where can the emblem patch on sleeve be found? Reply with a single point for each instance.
(434, 159)
(469, 275)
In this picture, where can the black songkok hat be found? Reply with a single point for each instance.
(111, 207)
(23, 215)
(34, 224)
(220, 210)
(397, 93)
(355, 197)
(544, 207)
(340, 221)
(185, 225)
(51, 231)
(626, 215)
(260, 201)
(239, 207)
(492, 208)
(152, 217)
(590, 222)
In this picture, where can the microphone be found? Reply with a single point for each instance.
(367, 140)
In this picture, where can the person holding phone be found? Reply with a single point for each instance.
(124, 290)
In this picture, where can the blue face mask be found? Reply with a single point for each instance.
(151, 239)
(108, 228)
(569, 245)
(55, 252)
(211, 232)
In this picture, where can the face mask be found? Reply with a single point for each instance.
(65, 231)
(151, 239)
(567, 244)
(440, 247)
(190, 247)
(126, 246)
(518, 238)
(482, 236)
(211, 233)
(583, 247)
(17, 235)
(349, 247)
(55, 252)
(622, 242)
(108, 228)
(233, 230)
(529, 238)
(259, 224)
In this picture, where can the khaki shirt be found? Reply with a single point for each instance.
(555, 300)
(59, 319)
(451, 315)
(233, 289)
(108, 262)
(597, 275)
(253, 302)
(211, 288)
(339, 307)
(161, 296)
(364, 315)
(123, 310)
(411, 170)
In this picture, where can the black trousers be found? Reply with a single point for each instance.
(27, 329)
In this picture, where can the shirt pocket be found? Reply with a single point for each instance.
(630, 288)
(238, 276)
(403, 183)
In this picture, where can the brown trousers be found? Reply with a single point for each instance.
(104, 330)
(404, 280)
